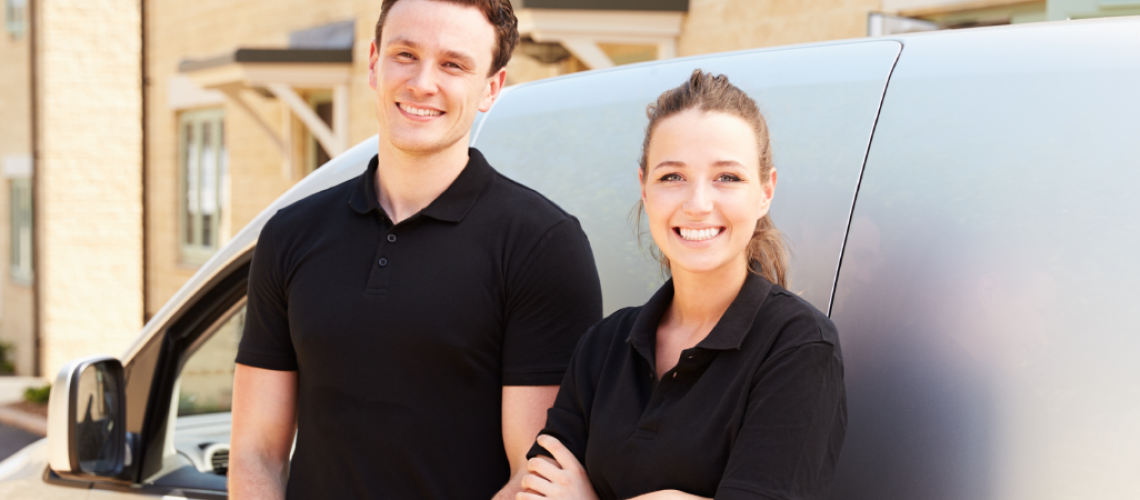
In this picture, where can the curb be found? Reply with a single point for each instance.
(29, 422)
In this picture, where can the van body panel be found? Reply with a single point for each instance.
(987, 299)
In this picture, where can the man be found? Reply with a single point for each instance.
(411, 326)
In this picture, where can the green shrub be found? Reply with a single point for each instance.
(38, 395)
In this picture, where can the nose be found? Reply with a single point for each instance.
(423, 82)
(700, 200)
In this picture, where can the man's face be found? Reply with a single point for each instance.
(429, 72)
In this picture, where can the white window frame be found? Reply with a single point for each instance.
(203, 169)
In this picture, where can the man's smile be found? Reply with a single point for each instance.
(418, 111)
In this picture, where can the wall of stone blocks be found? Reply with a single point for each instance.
(720, 25)
(88, 199)
(16, 306)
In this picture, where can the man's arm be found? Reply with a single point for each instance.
(524, 414)
(264, 423)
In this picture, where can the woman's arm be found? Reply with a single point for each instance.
(562, 478)
(566, 420)
(668, 495)
(565, 478)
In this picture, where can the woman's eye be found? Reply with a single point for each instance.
(728, 178)
(671, 177)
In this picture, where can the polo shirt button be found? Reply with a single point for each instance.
(391, 238)
(383, 262)
(674, 374)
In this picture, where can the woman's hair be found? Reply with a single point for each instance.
(767, 253)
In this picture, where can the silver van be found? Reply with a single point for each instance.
(963, 204)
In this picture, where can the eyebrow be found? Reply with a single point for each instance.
(668, 163)
(718, 163)
(728, 163)
(462, 57)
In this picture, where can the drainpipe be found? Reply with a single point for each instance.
(143, 85)
(33, 57)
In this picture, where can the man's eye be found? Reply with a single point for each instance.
(671, 177)
(405, 55)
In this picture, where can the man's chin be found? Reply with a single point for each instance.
(423, 146)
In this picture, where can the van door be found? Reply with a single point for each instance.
(987, 300)
(577, 140)
(179, 389)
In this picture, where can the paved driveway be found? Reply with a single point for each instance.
(13, 440)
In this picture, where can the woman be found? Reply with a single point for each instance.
(724, 384)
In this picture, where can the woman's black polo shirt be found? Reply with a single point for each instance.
(756, 410)
(403, 336)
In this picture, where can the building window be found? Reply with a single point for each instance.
(322, 104)
(204, 163)
(15, 13)
(20, 253)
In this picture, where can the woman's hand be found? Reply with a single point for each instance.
(564, 478)
(668, 495)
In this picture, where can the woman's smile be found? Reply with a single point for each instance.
(698, 234)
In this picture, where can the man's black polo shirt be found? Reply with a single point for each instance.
(403, 336)
(757, 410)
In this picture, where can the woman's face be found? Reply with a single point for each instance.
(702, 190)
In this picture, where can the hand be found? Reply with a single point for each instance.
(563, 478)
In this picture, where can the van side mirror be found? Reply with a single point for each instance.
(86, 418)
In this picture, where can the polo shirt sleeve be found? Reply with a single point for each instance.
(266, 342)
(566, 420)
(786, 447)
(554, 295)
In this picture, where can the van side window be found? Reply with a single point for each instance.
(207, 380)
(204, 393)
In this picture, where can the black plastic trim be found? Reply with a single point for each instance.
(859, 181)
(182, 333)
(52, 478)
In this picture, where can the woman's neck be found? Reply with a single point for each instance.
(700, 299)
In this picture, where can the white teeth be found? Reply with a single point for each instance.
(418, 111)
(699, 234)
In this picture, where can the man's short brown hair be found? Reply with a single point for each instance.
(498, 12)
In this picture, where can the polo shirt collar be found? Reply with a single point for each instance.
(452, 205)
(728, 333)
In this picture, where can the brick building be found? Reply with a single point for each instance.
(138, 135)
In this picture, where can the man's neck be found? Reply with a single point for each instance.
(407, 183)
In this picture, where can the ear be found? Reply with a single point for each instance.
(373, 57)
(494, 86)
(641, 182)
(770, 188)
